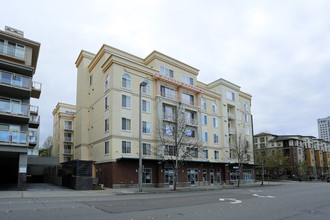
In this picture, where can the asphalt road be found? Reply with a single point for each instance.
(290, 200)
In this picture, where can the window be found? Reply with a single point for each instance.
(205, 136)
(169, 150)
(145, 106)
(230, 96)
(193, 152)
(203, 102)
(125, 101)
(215, 122)
(188, 80)
(247, 131)
(190, 118)
(168, 112)
(168, 130)
(107, 102)
(246, 107)
(167, 92)
(246, 118)
(107, 83)
(126, 81)
(216, 155)
(204, 119)
(106, 147)
(12, 49)
(190, 132)
(146, 176)
(126, 147)
(126, 124)
(90, 80)
(187, 98)
(216, 138)
(67, 137)
(2, 46)
(166, 71)
(248, 157)
(214, 108)
(146, 88)
(146, 127)
(205, 154)
(68, 125)
(106, 125)
(146, 149)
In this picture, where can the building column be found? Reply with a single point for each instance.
(158, 87)
(22, 167)
(227, 174)
(198, 100)
(179, 98)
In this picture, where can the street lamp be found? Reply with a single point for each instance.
(144, 83)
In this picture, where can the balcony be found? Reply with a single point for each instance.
(191, 121)
(15, 84)
(34, 109)
(68, 127)
(67, 151)
(34, 121)
(36, 90)
(32, 141)
(68, 139)
(10, 109)
(231, 131)
(231, 116)
(168, 117)
(13, 138)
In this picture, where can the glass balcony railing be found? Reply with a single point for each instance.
(13, 137)
(13, 107)
(36, 85)
(34, 109)
(12, 49)
(14, 80)
(34, 119)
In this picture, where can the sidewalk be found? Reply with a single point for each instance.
(48, 190)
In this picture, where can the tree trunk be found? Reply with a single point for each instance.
(175, 173)
(239, 175)
(262, 174)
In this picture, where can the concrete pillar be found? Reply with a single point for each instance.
(22, 168)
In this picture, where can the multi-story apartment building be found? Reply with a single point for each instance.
(19, 121)
(323, 125)
(63, 132)
(297, 148)
(107, 119)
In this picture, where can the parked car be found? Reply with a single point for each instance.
(328, 179)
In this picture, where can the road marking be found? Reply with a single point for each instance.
(256, 191)
(233, 201)
(261, 196)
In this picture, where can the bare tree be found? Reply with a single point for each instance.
(239, 151)
(178, 138)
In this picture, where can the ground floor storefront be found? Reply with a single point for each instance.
(124, 173)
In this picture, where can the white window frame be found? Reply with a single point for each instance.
(204, 119)
(106, 147)
(128, 147)
(126, 124)
(106, 125)
(146, 149)
(214, 108)
(126, 81)
(146, 127)
(215, 138)
(107, 102)
(187, 79)
(126, 101)
(215, 122)
(166, 71)
(146, 89)
(246, 118)
(205, 137)
(203, 102)
(107, 82)
(216, 155)
(146, 106)
(230, 96)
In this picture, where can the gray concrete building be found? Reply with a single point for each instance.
(19, 121)
(323, 125)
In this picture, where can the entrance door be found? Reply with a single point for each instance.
(218, 177)
(169, 177)
(212, 177)
(192, 176)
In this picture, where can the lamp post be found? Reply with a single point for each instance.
(144, 83)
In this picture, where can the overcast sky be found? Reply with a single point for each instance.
(278, 51)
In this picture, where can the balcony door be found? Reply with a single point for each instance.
(16, 106)
(15, 131)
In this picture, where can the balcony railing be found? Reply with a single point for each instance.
(231, 130)
(231, 116)
(191, 121)
(34, 119)
(12, 50)
(68, 139)
(168, 117)
(13, 108)
(13, 137)
(14, 80)
(32, 139)
(36, 85)
(68, 127)
(34, 109)
(67, 151)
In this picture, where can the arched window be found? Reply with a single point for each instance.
(214, 108)
(107, 83)
(203, 104)
(126, 81)
(146, 89)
